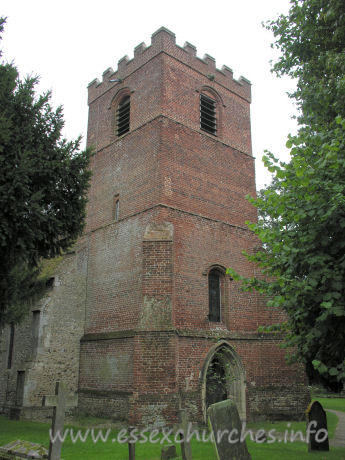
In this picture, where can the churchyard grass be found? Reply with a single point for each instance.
(332, 403)
(280, 427)
(292, 451)
(327, 403)
(38, 432)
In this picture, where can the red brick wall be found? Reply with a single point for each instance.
(181, 99)
(127, 168)
(182, 210)
(157, 268)
(114, 286)
(107, 364)
(204, 175)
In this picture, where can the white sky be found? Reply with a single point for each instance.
(69, 43)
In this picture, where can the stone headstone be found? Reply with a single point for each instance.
(60, 402)
(318, 433)
(168, 452)
(186, 449)
(223, 419)
(131, 451)
(131, 445)
(17, 450)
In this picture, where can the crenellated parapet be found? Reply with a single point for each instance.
(163, 41)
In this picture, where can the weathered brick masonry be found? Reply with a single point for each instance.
(141, 298)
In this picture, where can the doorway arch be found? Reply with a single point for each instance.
(223, 377)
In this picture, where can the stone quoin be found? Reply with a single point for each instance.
(141, 309)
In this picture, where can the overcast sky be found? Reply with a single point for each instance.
(69, 43)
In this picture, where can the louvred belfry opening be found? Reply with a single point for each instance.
(208, 121)
(123, 116)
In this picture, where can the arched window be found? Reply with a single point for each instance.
(123, 115)
(116, 208)
(214, 300)
(208, 114)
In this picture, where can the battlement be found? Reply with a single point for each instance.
(163, 40)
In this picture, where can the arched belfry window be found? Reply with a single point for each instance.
(208, 114)
(123, 115)
(214, 293)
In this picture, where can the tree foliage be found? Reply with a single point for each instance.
(302, 213)
(311, 40)
(43, 182)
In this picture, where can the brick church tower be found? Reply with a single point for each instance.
(166, 216)
(140, 317)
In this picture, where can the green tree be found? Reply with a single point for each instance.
(302, 213)
(43, 184)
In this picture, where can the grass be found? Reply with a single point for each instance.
(39, 432)
(332, 403)
(280, 427)
(292, 451)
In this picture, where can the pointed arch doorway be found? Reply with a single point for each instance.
(223, 377)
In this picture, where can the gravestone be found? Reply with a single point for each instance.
(60, 402)
(131, 446)
(185, 444)
(131, 451)
(168, 452)
(318, 438)
(223, 418)
(17, 450)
